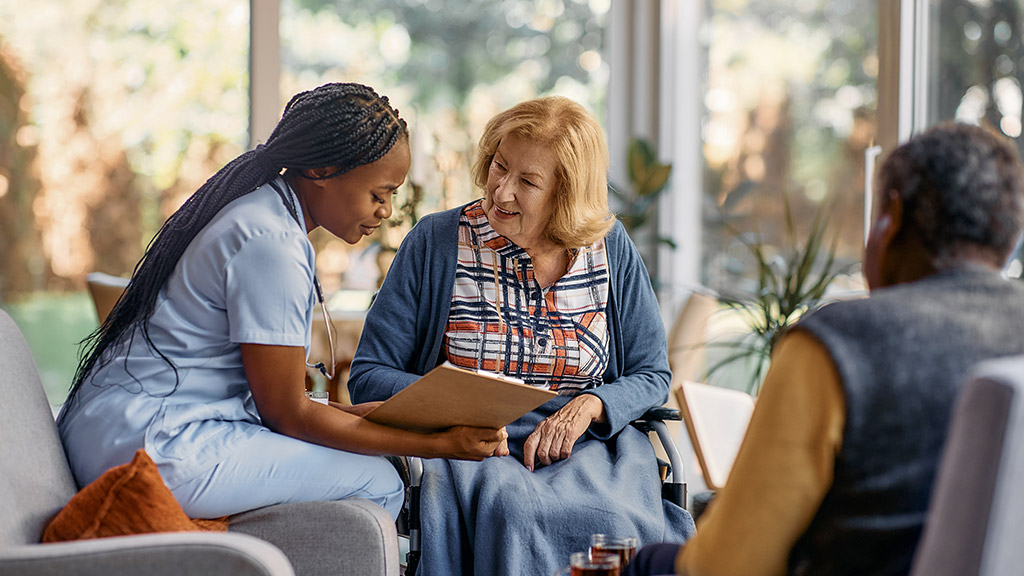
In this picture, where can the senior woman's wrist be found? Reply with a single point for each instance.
(592, 406)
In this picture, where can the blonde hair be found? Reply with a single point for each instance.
(580, 215)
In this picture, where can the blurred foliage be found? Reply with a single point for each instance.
(978, 65)
(111, 113)
(127, 106)
(21, 255)
(449, 66)
(443, 50)
(789, 110)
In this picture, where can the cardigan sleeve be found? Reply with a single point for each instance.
(393, 336)
(638, 375)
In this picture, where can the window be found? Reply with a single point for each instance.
(448, 67)
(975, 64)
(789, 110)
(116, 111)
(112, 113)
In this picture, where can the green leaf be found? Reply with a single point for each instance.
(785, 291)
(637, 163)
(656, 180)
(646, 150)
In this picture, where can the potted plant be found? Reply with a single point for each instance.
(648, 178)
(789, 285)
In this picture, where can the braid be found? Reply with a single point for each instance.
(338, 125)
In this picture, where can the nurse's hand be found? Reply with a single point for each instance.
(469, 443)
(502, 449)
(552, 440)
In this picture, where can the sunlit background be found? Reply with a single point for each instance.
(112, 112)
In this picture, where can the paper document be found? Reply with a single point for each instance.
(449, 396)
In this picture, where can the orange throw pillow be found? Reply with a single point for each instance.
(127, 499)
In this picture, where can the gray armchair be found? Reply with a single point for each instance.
(973, 527)
(328, 538)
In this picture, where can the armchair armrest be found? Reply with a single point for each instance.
(351, 536)
(150, 554)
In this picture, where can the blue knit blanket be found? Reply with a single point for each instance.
(496, 517)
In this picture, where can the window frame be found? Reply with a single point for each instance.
(264, 69)
(654, 49)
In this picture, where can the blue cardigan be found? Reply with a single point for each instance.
(405, 326)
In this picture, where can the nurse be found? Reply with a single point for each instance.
(202, 361)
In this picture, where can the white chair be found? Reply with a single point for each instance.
(974, 526)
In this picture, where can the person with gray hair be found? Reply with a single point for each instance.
(836, 470)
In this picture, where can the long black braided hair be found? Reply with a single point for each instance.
(338, 126)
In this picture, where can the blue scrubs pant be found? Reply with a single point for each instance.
(273, 468)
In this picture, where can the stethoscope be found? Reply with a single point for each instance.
(289, 203)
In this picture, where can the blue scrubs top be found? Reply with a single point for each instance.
(247, 277)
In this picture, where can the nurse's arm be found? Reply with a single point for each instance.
(276, 376)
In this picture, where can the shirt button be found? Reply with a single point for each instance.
(543, 342)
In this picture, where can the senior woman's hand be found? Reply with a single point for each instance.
(554, 438)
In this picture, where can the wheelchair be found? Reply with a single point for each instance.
(673, 487)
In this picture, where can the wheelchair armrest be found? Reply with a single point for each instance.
(661, 414)
(645, 423)
(654, 420)
(415, 467)
(415, 470)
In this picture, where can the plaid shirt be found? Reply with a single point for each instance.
(501, 320)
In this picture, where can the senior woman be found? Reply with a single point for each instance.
(538, 281)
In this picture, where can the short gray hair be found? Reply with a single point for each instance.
(961, 188)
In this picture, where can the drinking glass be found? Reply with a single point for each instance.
(581, 564)
(622, 547)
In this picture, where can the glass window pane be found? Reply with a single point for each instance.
(975, 63)
(448, 66)
(789, 110)
(111, 113)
